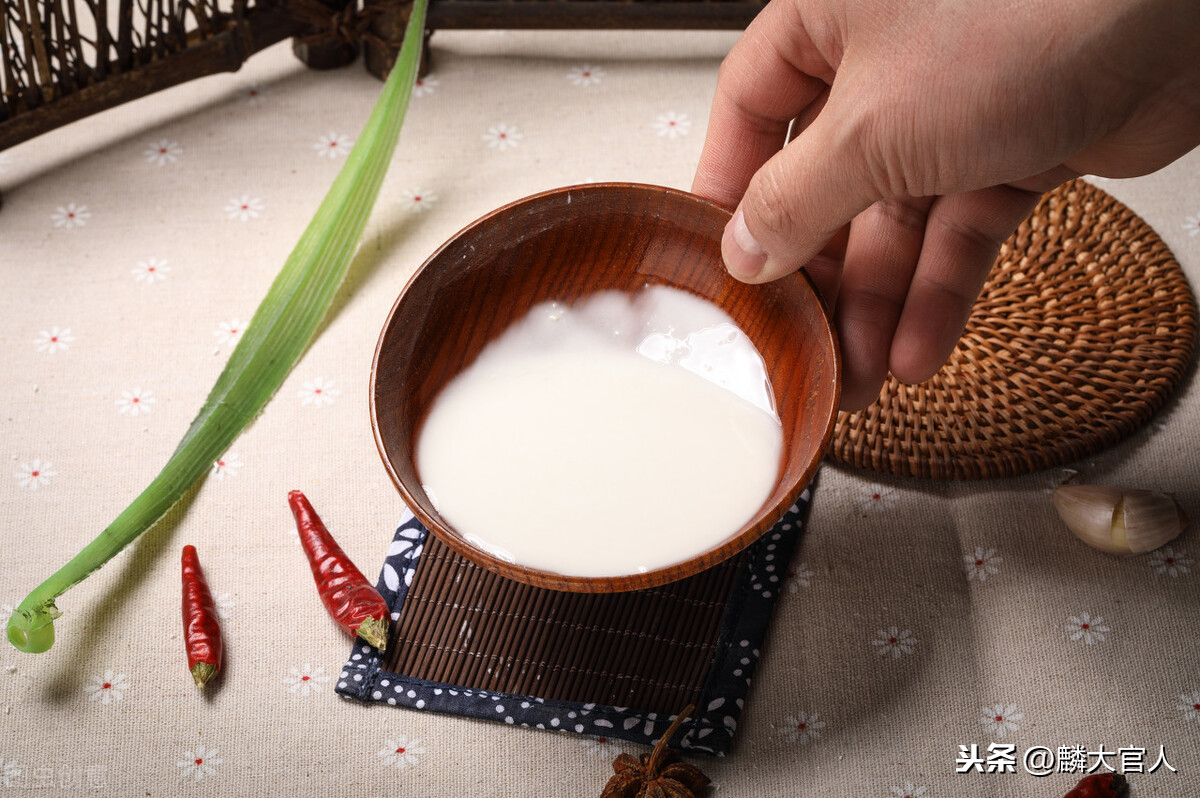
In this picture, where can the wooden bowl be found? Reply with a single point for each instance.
(565, 244)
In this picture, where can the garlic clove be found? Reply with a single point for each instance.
(1119, 520)
(1088, 511)
(1151, 520)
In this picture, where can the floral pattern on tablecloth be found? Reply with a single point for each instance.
(711, 729)
(131, 269)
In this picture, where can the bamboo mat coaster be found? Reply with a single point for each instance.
(1085, 327)
(466, 641)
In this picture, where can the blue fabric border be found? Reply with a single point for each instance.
(714, 722)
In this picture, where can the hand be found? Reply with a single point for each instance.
(927, 130)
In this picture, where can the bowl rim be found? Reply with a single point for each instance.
(699, 562)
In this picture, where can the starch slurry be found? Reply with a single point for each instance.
(619, 435)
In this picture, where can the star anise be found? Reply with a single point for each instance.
(658, 774)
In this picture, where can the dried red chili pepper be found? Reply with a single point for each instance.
(1101, 785)
(352, 601)
(201, 627)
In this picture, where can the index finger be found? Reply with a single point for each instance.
(771, 75)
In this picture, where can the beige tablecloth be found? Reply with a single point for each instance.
(919, 617)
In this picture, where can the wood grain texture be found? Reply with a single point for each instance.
(565, 244)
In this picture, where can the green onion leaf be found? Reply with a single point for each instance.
(279, 332)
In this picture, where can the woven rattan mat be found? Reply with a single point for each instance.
(466, 641)
(1085, 326)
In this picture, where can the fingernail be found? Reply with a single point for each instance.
(744, 256)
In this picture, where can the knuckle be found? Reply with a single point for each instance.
(771, 205)
(890, 166)
(729, 70)
(972, 236)
(894, 149)
(905, 213)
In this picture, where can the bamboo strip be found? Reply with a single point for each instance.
(534, 627)
(35, 39)
(568, 646)
(427, 598)
(408, 634)
(645, 649)
(617, 641)
(534, 646)
(691, 597)
(103, 39)
(671, 633)
(523, 637)
(700, 665)
(719, 596)
(55, 24)
(565, 607)
(515, 601)
(600, 634)
(446, 612)
(125, 53)
(466, 610)
(151, 37)
(410, 626)
(493, 611)
(692, 647)
(606, 641)
(8, 75)
(491, 616)
(467, 598)
(205, 25)
(71, 35)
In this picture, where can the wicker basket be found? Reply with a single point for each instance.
(1084, 329)
(62, 60)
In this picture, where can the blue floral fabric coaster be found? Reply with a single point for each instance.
(744, 624)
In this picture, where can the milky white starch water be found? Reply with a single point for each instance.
(615, 436)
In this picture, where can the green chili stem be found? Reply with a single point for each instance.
(281, 329)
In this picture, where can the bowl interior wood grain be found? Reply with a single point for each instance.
(565, 244)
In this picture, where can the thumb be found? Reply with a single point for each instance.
(799, 199)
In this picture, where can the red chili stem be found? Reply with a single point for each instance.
(1101, 785)
(201, 624)
(351, 600)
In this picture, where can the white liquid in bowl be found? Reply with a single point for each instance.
(616, 436)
